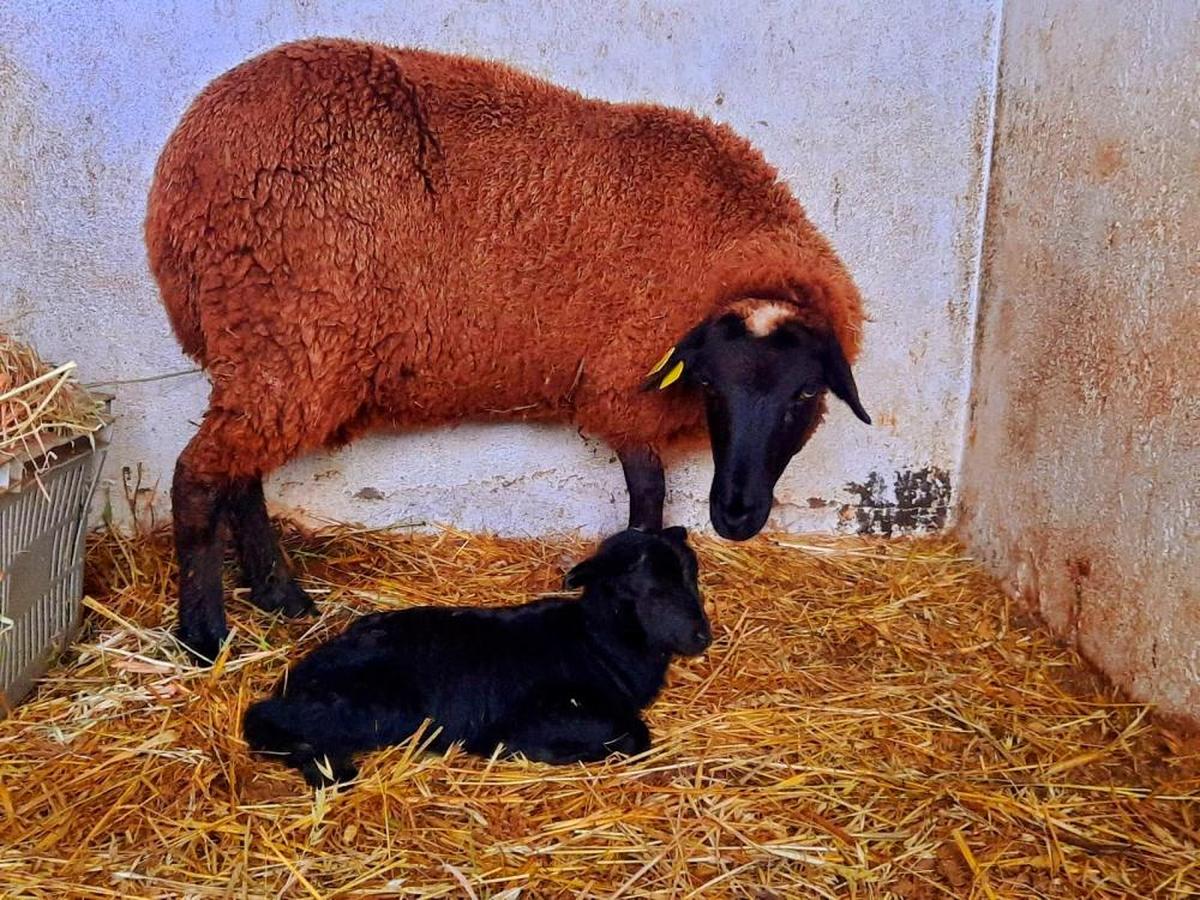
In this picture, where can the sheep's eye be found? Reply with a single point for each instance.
(807, 393)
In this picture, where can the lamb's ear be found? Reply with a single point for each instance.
(674, 364)
(602, 566)
(839, 377)
(581, 574)
(595, 568)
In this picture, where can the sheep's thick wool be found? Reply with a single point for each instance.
(351, 236)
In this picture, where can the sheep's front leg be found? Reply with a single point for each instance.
(570, 734)
(647, 487)
(264, 569)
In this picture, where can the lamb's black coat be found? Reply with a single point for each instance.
(558, 680)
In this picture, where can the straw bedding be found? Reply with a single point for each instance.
(40, 404)
(872, 720)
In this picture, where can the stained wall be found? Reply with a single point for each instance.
(1081, 478)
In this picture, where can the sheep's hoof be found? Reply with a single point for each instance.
(636, 740)
(327, 772)
(284, 596)
(202, 642)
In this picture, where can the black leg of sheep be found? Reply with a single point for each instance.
(199, 504)
(563, 730)
(264, 569)
(199, 550)
(647, 487)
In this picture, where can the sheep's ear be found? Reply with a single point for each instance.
(674, 364)
(602, 566)
(839, 377)
(580, 574)
(591, 570)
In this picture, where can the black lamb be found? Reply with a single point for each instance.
(559, 680)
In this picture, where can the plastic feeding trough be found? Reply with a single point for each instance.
(53, 436)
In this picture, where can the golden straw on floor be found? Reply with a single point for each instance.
(872, 720)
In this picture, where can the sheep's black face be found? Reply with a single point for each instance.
(653, 576)
(764, 378)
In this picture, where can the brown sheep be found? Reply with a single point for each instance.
(351, 237)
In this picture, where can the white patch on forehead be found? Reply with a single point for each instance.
(763, 318)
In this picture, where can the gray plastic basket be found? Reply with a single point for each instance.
(43, 522)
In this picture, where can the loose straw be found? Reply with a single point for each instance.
(872, 720)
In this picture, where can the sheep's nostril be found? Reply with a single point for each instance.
(737, 510)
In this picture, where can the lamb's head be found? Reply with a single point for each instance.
(647, 580)
(764, 371)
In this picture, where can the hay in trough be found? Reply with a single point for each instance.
(872, 720)
(40, 405)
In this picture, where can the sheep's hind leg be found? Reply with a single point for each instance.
(232, 445)
(647, 487)
(195, 510)
(264, 569)
(323, 770)
(297, 733)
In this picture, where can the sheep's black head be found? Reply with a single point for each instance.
(764, 377)
(652, 576)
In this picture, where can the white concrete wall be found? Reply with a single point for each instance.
(876, 112)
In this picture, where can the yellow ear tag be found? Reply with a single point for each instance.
(672, 376)
(662, 362)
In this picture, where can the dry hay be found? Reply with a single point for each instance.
(41, 405)
(871, 721)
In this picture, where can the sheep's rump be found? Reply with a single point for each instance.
(447, 238)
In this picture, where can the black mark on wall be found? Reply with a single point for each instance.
(922, 502)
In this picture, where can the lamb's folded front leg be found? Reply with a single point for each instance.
(568, 730)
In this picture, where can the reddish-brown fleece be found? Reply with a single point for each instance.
(350, 236)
